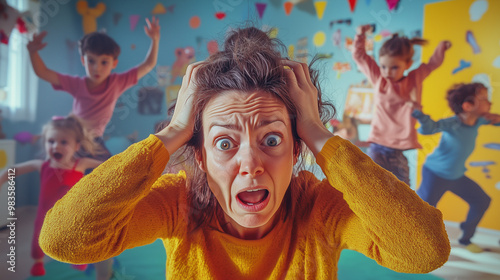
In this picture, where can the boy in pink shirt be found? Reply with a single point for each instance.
(396, 96)
(95, 95)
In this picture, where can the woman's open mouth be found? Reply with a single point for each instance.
(253, 200)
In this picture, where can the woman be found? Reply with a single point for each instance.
(245, 114)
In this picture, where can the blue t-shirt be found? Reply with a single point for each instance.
(457, 143)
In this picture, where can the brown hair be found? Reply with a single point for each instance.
(72, 124)
(458, 94)
(249, 61)
(98, 43)
(400, 47)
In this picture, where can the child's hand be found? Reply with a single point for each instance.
(363, 29)
(152, 29)
(447, 44)
(493, 118)
(36, 44)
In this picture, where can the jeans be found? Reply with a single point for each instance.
(391, 160)
(433, 187)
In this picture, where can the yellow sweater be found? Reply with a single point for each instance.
(125, 203)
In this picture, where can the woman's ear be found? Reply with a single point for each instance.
(199, 160)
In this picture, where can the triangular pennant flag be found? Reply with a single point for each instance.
(320, 8)
(133, 19)
(392, 4)
(352, 5)
(261, 7)
(288, 7)
(159, 9)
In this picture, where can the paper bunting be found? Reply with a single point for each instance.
(159, 9)
(288, 7)
(220, 15)
(133, 19)
(320, 8)
(261, 7)
(352, 4)
(392, 4)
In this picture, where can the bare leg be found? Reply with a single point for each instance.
(104, 269)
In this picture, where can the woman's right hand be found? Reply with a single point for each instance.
(37, 43)
(180, 129)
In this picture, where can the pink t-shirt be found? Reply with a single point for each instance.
(95, 107)
(392, 125)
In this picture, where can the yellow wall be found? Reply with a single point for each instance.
(450, 20)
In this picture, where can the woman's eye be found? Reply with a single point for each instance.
(272, 140)
(224, 144)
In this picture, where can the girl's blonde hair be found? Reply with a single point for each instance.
(72, 124)
(401, 47)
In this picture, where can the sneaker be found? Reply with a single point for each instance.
(80, 267)
(38, 269)
(473, 248)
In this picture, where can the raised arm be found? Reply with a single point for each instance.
(21, 169)
(365, 63)
(384, 214)
(39, 66)
(429, 126)
(152, 29)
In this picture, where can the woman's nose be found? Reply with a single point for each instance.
(250, 161)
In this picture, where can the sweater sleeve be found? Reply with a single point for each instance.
(435, 61)
(429, 126)
(122, 204)
(384, 219)
(365, 63)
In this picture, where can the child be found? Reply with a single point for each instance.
(95, 95)
(62, 137)
(396, 96)
(444, 169)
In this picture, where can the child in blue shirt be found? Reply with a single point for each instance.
(444, 169)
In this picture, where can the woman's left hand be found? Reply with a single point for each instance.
(310, 128)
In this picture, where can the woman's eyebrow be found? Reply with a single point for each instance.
(235, 126)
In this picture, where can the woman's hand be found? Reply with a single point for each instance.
(180, 128)
(310, 128)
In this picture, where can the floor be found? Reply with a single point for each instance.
(462, 265)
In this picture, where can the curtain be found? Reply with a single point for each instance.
(19, 85)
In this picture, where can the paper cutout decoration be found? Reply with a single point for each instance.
(320, 8)
(261, 7)
(352, 4)
(133, 20)
(469, 37)
(341, 67)
(477, 9)
(273, 33)
(484, 165)
(25, 137)
(212, 47)
(291, 51)
(392, 4)
(368, 2)
(194, 22)
(288, 7)
(150, 101)
(159, 9)
(494, 146)
(302, 50)
(463, 65)
(347, 21)
(220, 15)
(497, 185)
(116, 18)
(485, 80)
(89, 15)
(170, 8)
(337, 38)
(319, 38)
(10, 18)
(184, 56)
(496, 62)
(163, 75)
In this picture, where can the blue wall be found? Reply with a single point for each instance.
(64, 28)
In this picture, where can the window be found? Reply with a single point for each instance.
(18, 82)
